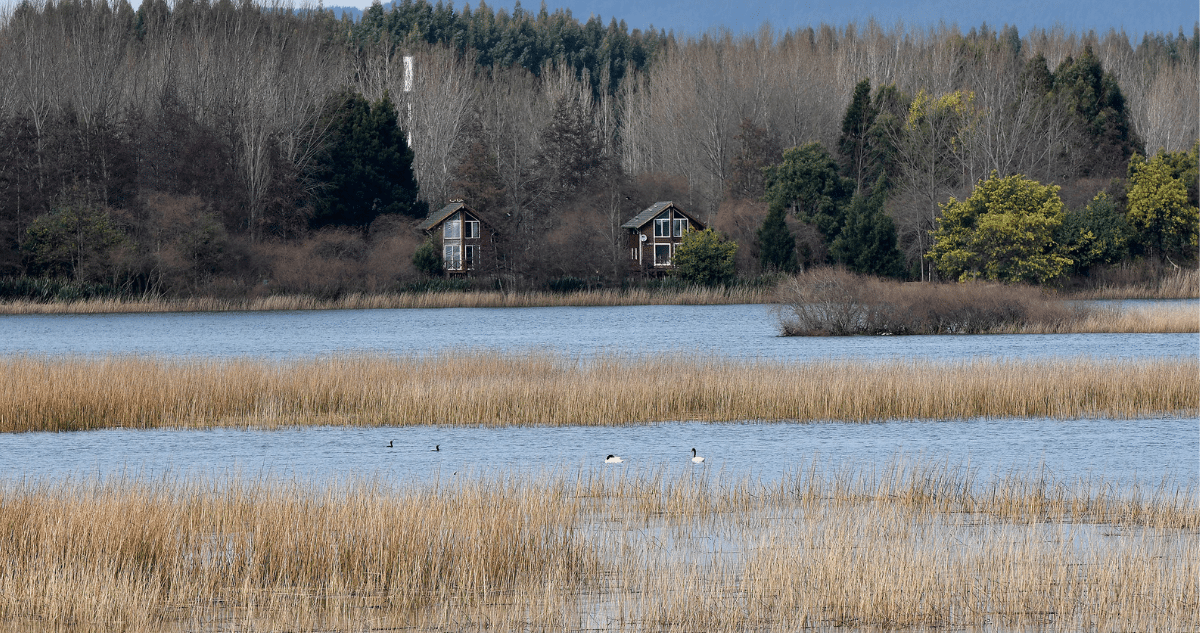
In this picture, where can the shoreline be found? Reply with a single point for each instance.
(1174, 290)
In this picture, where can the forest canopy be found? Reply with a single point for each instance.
(206, 147)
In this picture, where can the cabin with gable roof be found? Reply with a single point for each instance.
(655, 233)
(463, 234)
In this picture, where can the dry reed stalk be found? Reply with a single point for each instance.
(403, 300)
(132, 552)
(1183, 284)
(589, 549)
(539, 389)
(1159, 320)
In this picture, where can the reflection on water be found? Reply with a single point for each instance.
(740, 331)
(1119, 450)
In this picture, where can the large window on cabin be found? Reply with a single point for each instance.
(662, 254)
(452, 257)
(662, 225)
(470, 229)
(450, 230)
(469, 253)
(681, 226)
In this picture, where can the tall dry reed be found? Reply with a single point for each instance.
(40, 393)
(650, 549)
(403, 300)
(1184, 283)
(832, 302)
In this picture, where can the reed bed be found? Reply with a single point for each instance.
(833, 302)
(1158, 320)
(362, 301)
(910, 546)
(40, 393)
(1182, 284)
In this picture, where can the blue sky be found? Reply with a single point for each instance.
(687, 17)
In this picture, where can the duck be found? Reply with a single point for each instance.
(613, 459)
(696, 459)
(437, 448)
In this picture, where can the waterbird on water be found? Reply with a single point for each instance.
(437, 448)
(613, 459)
(390, 444)
(696, 459)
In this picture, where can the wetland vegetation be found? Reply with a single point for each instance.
(903, 545)
(43, 393)
(835, 302)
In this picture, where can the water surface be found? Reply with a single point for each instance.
(1118, 450)
(739, 331)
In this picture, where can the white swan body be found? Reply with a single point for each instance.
(696, 459)
(613, 459)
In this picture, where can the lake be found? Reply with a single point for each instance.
(739, 331)
(1120, 449)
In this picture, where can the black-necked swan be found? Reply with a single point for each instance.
(696, 459)
(613, 459)
(437, 448)
(390, 444)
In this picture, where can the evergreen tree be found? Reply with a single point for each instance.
(1095, 234)
(367, 165)
(776, 245)
(1004, 231)
(867, 242)
(705, 258)
(853, 145)
(808, 181)
(1095, 99)
(1159, 210)
(428, 258)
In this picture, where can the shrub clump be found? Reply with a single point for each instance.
(834, 302)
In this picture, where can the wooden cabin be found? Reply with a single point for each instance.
(464, 236)
(655, 233)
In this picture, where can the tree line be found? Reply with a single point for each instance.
(224, 147)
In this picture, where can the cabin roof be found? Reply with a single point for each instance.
(652, 211)
(440, 215)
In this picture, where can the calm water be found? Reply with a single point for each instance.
(1122, 450)
(1119, 450)
(737, 331)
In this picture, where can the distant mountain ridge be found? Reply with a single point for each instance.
(354, 12)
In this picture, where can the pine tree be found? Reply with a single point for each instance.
(867, 243)
(855, 154)
(776, 245)
(367, 166)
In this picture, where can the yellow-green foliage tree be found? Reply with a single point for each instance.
(1003, 232)
(1159, 208)
(705, 257)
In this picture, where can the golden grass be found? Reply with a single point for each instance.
(834, 302)
(40, 393)
(908, 546)
(1157, 320)
(358, 301)
(1183, 284)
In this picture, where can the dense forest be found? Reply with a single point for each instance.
(217, 148)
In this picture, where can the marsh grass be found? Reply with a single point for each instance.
(832, 302)
(41, 393)
(911, 544)
(1184, 283)
(435, 299)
